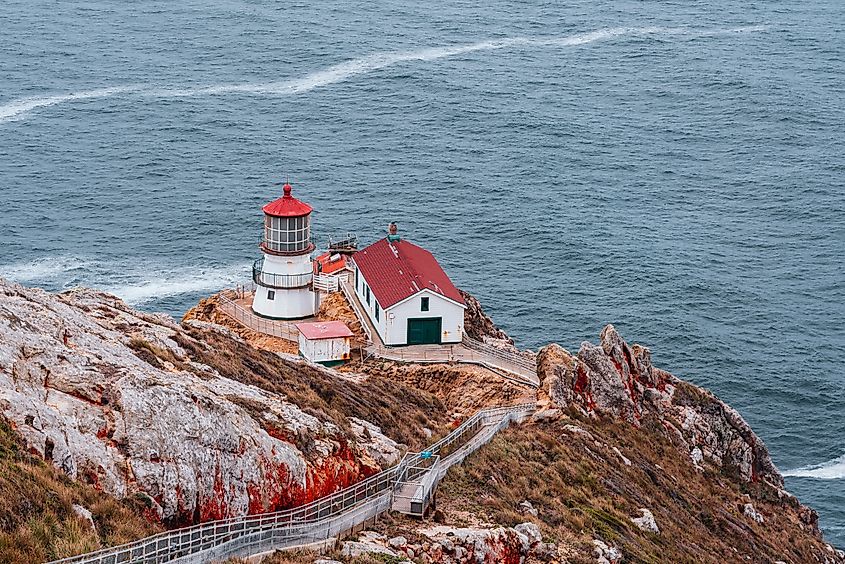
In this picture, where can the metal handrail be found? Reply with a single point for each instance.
(279, 281)
(282, 329)
(329, 515)
(349, 293)
(512, 357)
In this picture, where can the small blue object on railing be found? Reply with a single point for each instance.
(425, 454)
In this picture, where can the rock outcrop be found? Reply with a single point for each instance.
(478, 324)
(619, 380)
(110, 396)
(445, 544)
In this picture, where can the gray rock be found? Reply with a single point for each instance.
(71, 363)
(84, 514)
(622, 457)
(646, 522)
(604, 553)
(527, 508)
(397, 542)
(616, 379)
(749, 511)
(697, 456)
(354, 549)
(531, 531)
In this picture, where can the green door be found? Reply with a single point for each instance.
(424, 331)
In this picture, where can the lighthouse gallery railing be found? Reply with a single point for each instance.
(317, 521)
(279, 281)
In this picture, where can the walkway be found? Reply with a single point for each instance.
(321, 521)
(517, 367)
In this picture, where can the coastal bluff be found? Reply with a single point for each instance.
(621, 461)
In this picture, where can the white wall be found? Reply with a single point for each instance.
(394, 330)
(396, 326)
(323, 350)
(287, 304)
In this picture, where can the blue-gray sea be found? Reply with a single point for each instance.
(673, 167)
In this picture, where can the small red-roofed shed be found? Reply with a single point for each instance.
(326, 342)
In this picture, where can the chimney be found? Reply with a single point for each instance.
(393, 232)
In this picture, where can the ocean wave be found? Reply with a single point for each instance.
(168, 283)
(45, 268)
(830, 470)
(134, 285)
(18, 109)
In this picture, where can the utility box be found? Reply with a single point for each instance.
(326, 342)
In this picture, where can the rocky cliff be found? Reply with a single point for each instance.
(194, 421)
(613, 378)
(124, 401)
(622, 462)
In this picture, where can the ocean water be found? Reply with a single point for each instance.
(673, 167)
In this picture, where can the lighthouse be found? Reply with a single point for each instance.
(284, 277)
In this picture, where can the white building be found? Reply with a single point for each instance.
(407, 295)
(284, 277)
(326, 342)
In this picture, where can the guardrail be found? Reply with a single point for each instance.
(523, 370)
(279, 281)
(282, 329)
(319, 520)
(514, 358)
(349, 293)
(326, 283)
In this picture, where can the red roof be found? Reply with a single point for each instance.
(317, 330)
(287, 205)
(398, 270)
(330, 262)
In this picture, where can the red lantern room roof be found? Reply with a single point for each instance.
(287, 205)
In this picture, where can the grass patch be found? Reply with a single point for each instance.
(37, 520)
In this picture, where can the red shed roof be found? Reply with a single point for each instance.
(287, 205)
(317, 330)
(330, 263)
(397, 270)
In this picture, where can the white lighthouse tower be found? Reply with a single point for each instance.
(284, 276)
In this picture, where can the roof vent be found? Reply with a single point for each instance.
(393, 232)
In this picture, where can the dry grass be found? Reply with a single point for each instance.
(583, 491)
(37, 521)
(401, 410)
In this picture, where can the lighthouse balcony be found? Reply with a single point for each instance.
(279, 281)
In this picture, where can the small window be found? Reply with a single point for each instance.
(377, 311)
(356, 279)
(368, 293)
(423, 304)
(271, 295)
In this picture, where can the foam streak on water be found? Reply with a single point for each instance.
(19, 109)
(830, 470)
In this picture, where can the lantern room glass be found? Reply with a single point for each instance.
(287, 234)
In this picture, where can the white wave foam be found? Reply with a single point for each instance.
(46, 268)
(17, 109)
(830, 470)
(175, 283)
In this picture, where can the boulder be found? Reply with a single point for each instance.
(531, 531)
(646, 522)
